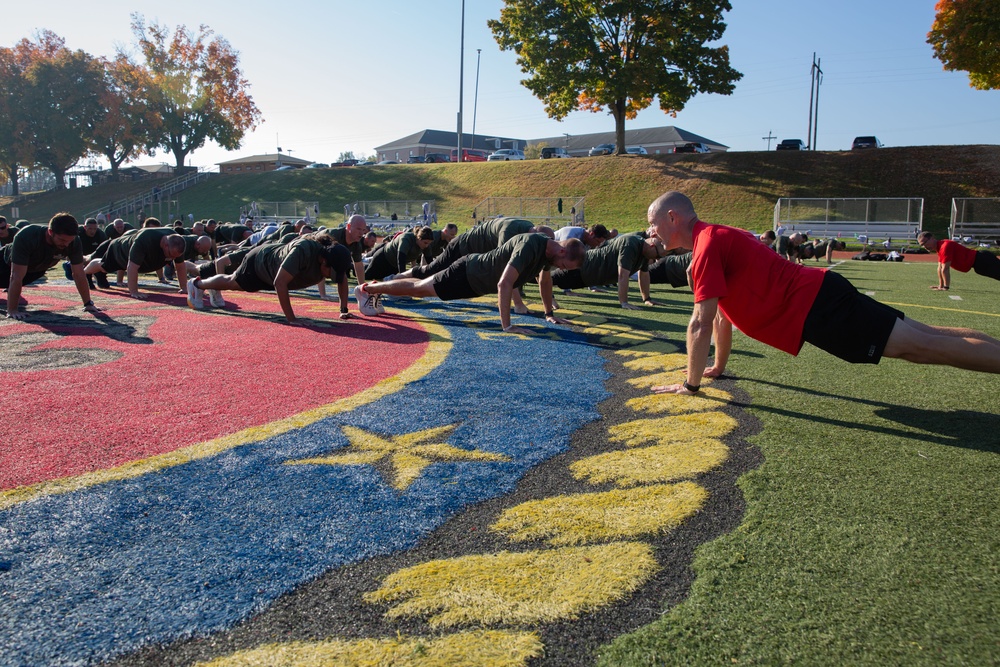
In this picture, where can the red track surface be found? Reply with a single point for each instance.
(204, 375)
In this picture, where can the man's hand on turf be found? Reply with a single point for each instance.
(713, 372)
(346, 316)
(556, 320)
(137, 295)
(91, 308)
(517, 330)
(628, 306)
(16, 315)
(650, 302)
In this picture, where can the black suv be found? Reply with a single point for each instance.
(791, 145)
(437, 157)
(861, 143)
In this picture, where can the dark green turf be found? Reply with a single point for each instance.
(873, 525)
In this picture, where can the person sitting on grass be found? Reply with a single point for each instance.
(34, 250)
(785, 305)
(144, 251)
(282, 267)
(954, 255)
(501, 271)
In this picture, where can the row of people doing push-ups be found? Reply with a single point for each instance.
(737, 280)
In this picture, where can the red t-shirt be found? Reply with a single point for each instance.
(961, 258)
(764, 295)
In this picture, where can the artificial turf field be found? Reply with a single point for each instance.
(422, 489)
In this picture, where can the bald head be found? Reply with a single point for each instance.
(672, 217)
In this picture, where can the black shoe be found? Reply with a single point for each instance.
(90, 281)
(68, 270)
(102, 280)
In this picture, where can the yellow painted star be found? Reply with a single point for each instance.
(408, 454)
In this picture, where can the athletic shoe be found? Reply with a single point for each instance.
(168, 272)
(379, 308)
(365, 301)
(68, 270)
(196, 296)
(102, 280)
(215, 298)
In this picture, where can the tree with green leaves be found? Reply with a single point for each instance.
(126, 126)
(198, 90)
(591, 54)
(64, 98)
(966, 37)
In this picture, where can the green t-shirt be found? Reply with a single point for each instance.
(493, 234)
(436, 247)
(356, 248)
(600, 265)
(301, 258)
(90, 243)
(11, 233)
(31, 249)
(141, 247)
(525, 252)
(112, 232)
(231, 233)
(402, 250)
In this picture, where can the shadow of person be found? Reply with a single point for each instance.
(957, 428)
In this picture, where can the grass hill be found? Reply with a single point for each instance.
(738, 188)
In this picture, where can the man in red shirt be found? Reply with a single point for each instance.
(952, 255)
(738, 280)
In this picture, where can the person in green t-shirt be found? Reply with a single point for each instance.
(396, 254)
(501, 271)
(143, 251)
(282, 267)
(614, 262)
(7, 232)
(34, 250)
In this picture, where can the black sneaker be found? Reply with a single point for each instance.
(102, 280)
(68, 270)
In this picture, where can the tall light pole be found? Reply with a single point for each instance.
(475, 100)
(461, 79)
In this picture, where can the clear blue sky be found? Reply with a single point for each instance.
(344, 75)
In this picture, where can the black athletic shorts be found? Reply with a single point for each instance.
(29, 277)
(109, 264)
(248, 280)
(448, 256)
(379, 266)
(571, 279)
(453, 283)
(847, 323)
(987, 264)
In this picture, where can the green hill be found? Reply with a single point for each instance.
(737, 188)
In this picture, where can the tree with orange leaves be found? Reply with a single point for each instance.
(126, 126)
(966, 37)
(198, 90)
(589, 54)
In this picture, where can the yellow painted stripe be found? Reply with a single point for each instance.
(950, 310)
(437, 350)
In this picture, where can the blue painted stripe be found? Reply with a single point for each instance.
(199, 547)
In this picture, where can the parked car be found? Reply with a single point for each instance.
(553, 152)
(364, 163)
(350, 162)
(602, 149)
(437, 157)
(388, 162)
(286, 167)
(636, 150)
(505, 154)
(791, 145)
(692, 147)
(416, 159)
(317, 165)
(865, 142)
(469, 155)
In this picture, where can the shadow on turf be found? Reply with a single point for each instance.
(968, 429)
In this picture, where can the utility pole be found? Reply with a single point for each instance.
(815, 79)
(768, 139)
(475, 100)
(461, 80)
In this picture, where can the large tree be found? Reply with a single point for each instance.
(63, 95)
(126, 126)
(16, 147)
(966, 37)
(593, 54)
(199, 92)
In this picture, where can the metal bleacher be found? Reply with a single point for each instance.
(864, 219)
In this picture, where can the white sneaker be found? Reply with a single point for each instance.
(365, 301)
(196, 297)
(215, 298)
(379, 308)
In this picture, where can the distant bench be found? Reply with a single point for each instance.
(975, 220)
(864, 219)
